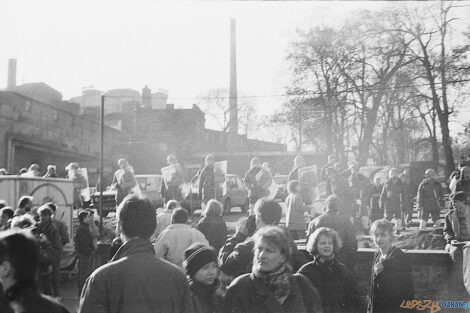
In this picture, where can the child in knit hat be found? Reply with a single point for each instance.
(200, 263)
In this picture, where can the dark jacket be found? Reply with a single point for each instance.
(214, 229)
(229, 246)
(339, 222)
(255, 191)
(462, 185)
(430, 195)
(391, 196)
(393, 285)
(336, 284)
(206, 299)
(26, 298)
(53, 236)
(64, 233)
(207, 183)
(248, 294)
(84, 240)
(136, 281)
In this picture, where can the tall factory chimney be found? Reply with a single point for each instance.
(233, 103)
(11, 83)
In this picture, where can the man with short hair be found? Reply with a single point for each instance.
(457, 235)
(177, 237)
(430, 199)
(135, 280)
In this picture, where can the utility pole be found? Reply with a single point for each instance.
(101, 165)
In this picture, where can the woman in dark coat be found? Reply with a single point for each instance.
(212, 225)
(271, 286)
(391, 281)
(336, 284)
(200, 264)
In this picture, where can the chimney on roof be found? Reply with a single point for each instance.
(233, 103)
(11, 83)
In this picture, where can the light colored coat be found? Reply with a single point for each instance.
(176, 238)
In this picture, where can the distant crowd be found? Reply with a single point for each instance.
(162, 263)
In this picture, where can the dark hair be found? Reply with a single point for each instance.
(21, 250)
(269, 211)
(45, 210)
(292, 186)
(382, 225)
(8, 211)
(276, 236)
(179, 216)
(137, 217)
(312, 243)
(83, 215)
(52, 206)
(24, 200)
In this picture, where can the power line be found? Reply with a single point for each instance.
(311, 93)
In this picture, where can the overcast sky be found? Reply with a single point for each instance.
(182, 47)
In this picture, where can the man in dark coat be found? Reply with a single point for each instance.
(207, 180)
(84, 248)
(333, 218)
(255, 191)
(430, 199)
(135, 280)
(47, 228)
(391, 198)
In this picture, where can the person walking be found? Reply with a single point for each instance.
(207, 180)
(430, 199)
(295, 219)
(392, 197)
(123, 180)
(255, 190)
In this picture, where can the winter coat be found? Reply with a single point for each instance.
(206, 299)
(63, 231)
(207, 183)
(53, 236)
(336, 284)
(430, 195)
(176, 238)
(25, 298)
(391, 286)
(214, 229)
(255, 190)
(163, 221)
(123, 180)
(462, 185)
(84, 240)
(248, 294)
(136, 281)
(295, 219)
(391, 197)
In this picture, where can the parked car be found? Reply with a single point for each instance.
(236, 195)
(282, 192)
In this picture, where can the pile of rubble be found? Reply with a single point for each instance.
(429, 239)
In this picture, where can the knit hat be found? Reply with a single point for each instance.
(196, 256)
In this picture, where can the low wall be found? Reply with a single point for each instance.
(432, 271)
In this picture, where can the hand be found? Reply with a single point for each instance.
(455, 242)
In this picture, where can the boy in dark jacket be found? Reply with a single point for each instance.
(84, 248)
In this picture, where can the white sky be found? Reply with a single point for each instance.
(182, 47)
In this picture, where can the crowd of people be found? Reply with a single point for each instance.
(162, 263)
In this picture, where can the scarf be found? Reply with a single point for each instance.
(278, 281)
(325, 264)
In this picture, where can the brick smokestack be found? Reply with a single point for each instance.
(233, 103)
(11, 83)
